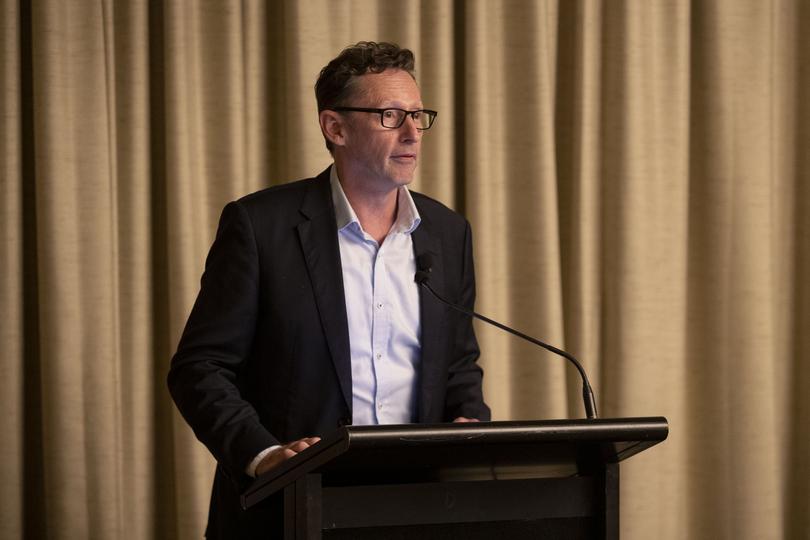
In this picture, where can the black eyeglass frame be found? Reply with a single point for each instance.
(430, 113)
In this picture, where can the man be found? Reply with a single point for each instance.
(308, 316)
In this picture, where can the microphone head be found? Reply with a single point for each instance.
(424, 265)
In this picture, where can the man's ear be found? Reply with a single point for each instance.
(333, 127)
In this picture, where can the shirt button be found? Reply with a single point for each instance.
(379, 355)
(379, 306)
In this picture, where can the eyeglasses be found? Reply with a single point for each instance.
(394, 118)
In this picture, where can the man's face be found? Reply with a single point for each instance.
(382, 158)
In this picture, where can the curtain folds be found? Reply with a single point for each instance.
(635, 173)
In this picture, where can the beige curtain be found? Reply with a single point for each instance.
(636, 174)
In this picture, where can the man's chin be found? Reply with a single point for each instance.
(404, 181)
(403, 178)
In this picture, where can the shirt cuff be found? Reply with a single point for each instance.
(251, 468)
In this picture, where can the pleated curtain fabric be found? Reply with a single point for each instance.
(636, 173)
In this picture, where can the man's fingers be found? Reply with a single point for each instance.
(302, 444)
(297, 446)
(283, 453)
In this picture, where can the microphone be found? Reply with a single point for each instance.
(424, 265)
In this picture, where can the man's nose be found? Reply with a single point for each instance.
(409, 129)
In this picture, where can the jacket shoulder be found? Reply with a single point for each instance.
(436, 212)
(281, 194)
(287, 201)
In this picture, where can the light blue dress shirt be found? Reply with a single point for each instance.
(382, 307)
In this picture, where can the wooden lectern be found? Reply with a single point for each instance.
(537, 479)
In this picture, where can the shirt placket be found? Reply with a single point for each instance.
(380, 332)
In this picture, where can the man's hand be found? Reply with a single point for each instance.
(465, 419)
(283, 453)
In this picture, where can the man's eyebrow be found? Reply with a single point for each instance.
(400, 105)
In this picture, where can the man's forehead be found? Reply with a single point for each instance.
(392, 87)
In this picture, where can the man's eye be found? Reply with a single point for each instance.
(416, 115)
(389, 113)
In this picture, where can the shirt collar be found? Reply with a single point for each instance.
(406, 221)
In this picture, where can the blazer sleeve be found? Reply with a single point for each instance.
(464, 395)
(216, 342)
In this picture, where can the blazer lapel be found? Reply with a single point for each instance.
(433, 318)
(318, 236)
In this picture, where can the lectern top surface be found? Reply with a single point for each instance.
(419, 449)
